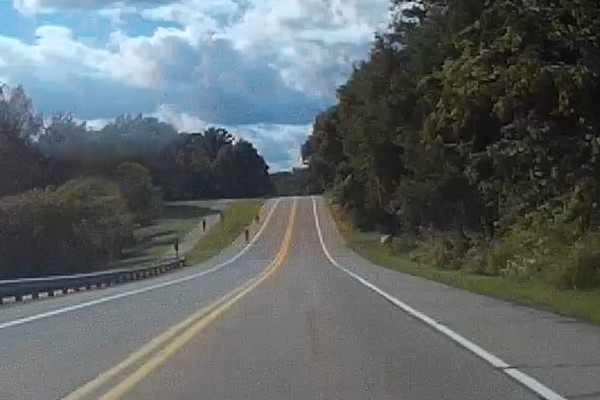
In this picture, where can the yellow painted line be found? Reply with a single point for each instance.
(200, 320)
(132, 380)
(148, 348)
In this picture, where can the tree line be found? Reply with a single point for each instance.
(474, 128)
(71, 196)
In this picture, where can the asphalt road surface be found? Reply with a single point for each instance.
(293, 315)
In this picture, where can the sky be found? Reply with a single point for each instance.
(262, 68)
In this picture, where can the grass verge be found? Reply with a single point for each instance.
(583, 305)
(238, 215)
(154, 240)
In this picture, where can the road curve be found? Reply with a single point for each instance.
(280, 321)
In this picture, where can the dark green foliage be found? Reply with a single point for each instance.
(135, 183)
(211, 164)
(292, 183)
(74, 228)
(20, 167)
(467, 118)
(241, 171)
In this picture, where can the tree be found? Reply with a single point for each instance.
(20, 167)
(135, 183)
(292, 183)
(252, 170)
(241, 171)
(466, 114)
(214, 139)
(17, 114)
(75, 228)
(209, 164)
(324, 152)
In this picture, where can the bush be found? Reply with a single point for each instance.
(580, 266)
(443, 249)
(135, 183)
(71, 229)
(402, 244)
(545, 247)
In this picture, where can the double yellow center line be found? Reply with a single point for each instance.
(162, 347)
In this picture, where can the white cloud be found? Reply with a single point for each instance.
(310, 43)
(182, 121)
(96, 124)
(29, 7)
(233, 62)
(131, 60)
(279, 144)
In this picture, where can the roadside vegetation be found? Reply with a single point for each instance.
(156, 240)
(403, 256)
(75, 199)
(471, 135)
(296, 182)
(237, 216)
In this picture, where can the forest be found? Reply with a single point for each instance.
(71, 196)
(471, 134)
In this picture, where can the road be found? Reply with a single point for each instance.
(290, 316)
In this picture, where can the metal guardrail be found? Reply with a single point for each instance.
(19, 288)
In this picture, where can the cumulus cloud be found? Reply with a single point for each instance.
(310, 43)
(51, 6)
(182, 121)
(268, 66)
(279, 144)
(56, 50)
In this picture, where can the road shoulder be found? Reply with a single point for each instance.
(560, 352)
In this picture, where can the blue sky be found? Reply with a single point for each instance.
(262, 68)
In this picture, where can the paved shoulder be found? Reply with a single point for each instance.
(560, 352)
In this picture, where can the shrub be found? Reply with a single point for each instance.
(547, 248)
(71, 229)
(135, 183)
(402, 244)
(443, 249)
(579, 268)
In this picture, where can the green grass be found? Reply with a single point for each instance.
(583, 305)
(238, 215)
(156, 239)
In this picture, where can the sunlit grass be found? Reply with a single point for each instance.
(238, 215)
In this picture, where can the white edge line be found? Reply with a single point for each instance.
(524, 379)
(63, 310)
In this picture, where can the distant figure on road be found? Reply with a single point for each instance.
(203, 225)
(247, 235)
